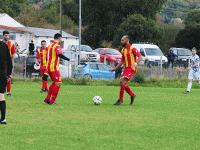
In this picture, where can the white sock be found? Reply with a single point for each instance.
(189, 86)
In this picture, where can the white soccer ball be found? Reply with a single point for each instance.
(97, 100)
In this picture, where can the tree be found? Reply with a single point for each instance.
(139, 29)
(188, 37)
(11, 7)
(193, 17)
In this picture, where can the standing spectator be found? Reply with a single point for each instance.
(5, 62)
(12, 51)
(118, 71)
(17, 48)
(171, 57)
(31, 48)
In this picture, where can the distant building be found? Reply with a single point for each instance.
(23, 35)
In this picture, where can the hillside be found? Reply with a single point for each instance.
(178, 9)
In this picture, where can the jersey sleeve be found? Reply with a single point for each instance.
(13, 49)
(38, 54)
(196, 59)
(136, 52)
(58, 50)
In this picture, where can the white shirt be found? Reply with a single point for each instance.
(195, 59)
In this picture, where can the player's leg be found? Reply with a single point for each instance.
(8, 88)
(51, 88)
(55, 94)
(2, 98)
(45, 88)
(122, 88)
(190, 79)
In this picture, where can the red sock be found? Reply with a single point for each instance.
(121, 95)
(128, 90)
(44, 85)
(55, 94)
(50, 92)
(8, 86)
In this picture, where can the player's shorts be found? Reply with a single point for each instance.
(128, 73)
(3, 81)
(55, 76)
(194, 75)
(43, 71)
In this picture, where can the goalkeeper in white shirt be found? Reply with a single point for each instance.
(194, 73)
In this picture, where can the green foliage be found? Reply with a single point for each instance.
(11, 7)
(188, 37)
(139, 29)
(192, 18)
(139, 77)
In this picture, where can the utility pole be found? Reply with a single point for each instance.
(61, 17)
(79, 31)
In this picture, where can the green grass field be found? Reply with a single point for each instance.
(160, 118)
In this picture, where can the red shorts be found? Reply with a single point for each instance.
(55, 76)
(128, 73)
(43, 71)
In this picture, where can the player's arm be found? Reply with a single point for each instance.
(196, 63)
(13, 52)
(138, 54)
(36, 58)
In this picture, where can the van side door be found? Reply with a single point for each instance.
(142, 51)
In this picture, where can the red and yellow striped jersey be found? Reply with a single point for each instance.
(11, 48)
(129, 55)
(52, 57)
(42, 54)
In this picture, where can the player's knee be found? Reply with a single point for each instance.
(58, 84)
(122, 82)
(45, 77)
(2, 97)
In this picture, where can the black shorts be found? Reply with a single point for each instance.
(3, 81)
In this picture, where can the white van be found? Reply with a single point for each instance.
(151, 54)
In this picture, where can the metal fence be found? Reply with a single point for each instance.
(68, 69)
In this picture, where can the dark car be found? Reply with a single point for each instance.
(29, 68)
(183, 54)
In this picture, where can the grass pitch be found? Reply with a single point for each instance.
(160, 118)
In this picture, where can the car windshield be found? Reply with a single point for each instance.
(25, 51)
(153, 52)
(81, 66)
(113, 52)
(184, 52)
(85, 48)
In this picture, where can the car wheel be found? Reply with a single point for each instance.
(87, 76)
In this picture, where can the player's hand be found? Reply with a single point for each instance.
(73, 60)
(9, 78)
(134, 66)
(37, 63)
(113, 69)
(188, 68)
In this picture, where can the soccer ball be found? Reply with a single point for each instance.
(97, 100)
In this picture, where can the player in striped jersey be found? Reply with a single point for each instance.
(53, 59)
(11, 48)
(42, 54)
(129, 58)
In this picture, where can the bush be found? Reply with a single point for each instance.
(138, 77)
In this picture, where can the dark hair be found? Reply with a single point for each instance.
(194, 49)
(5, 32)
(57, 36)
(43, 41)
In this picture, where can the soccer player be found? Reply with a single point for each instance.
(194, 73)
(4, 59)
(129, 57)
(42, 54)
(11, 48)
(53, 59)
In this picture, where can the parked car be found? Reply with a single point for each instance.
(183, 54)
(94, 71)
(86, 53)
(151, 54)
(112, 55)
(22, 54)
(29, 67)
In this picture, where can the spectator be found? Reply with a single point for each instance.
(118, 71)
(31, 48)
(171, 57)
(17, 48)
